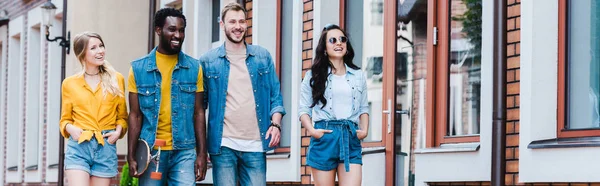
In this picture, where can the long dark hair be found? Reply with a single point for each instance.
(321, 64)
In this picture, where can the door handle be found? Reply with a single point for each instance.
(407, 112)
(389, 115)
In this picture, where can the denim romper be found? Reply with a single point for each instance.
(342, 145)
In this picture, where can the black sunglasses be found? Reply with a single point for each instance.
(342, 39)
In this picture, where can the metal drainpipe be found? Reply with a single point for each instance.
(61, 146)
(499, 97)
(151, 12)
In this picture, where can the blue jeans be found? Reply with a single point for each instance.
(231, 166)
(176, 166)
(91, 157)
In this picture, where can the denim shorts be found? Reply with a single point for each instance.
(91, 157)
(340, 146)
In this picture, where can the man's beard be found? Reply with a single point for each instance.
(166, 43)
(228, 35)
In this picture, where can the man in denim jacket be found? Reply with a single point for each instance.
(244, 102)
(165, 99)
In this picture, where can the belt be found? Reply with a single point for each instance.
(344, 140)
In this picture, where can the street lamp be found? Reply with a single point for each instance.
(3, 17)
(48, 12)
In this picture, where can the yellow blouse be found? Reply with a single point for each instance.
(91, 110)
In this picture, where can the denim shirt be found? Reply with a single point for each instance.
(360, 105)
(183, 92)
(265, 83)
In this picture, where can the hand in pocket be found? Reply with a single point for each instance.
(318, 133)
(74, 131)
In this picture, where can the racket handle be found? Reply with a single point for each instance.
(160, 143)
(155, 175)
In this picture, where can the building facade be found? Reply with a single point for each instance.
(429, 66)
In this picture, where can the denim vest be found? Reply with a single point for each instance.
(265, 85)
(183, 90)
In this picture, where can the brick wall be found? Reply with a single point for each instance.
(307, 50)
(16, 8)
(513, 26)
(248, 7)
(44, 112)
(24, 120)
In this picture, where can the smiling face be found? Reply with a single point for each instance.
(171, 35)
(94, 53)
(234, 25)
(336, 44)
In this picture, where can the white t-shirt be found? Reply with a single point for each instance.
(342, 96)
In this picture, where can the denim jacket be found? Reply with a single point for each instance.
(183, 90)
(360, 105)
(265, 83)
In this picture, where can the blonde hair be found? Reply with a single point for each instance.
(108, 78)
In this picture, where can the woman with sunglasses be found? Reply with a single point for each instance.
(334, 97)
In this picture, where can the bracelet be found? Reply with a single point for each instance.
(278, 126)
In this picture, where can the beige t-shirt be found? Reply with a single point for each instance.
(240, 109)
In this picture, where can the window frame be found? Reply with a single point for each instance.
(278, 62)
(438, 78)
(563, 55)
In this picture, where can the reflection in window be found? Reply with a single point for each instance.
(286, 70)
(583, 64)
(367, 41)
(215, 18)
(465, 68)
(377, 12)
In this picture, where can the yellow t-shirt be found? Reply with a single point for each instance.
(165, 65)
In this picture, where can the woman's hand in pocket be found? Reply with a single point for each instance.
(74, 131)
(361, 134)
(113, 136)
(318, 133)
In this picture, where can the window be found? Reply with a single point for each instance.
(377, 12)
(454, 107)
(364, 25)
(284, 66)
(216, 13)
(579, 69)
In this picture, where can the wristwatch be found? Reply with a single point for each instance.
(276, 125)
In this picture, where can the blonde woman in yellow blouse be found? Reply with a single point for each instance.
(93, 114)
